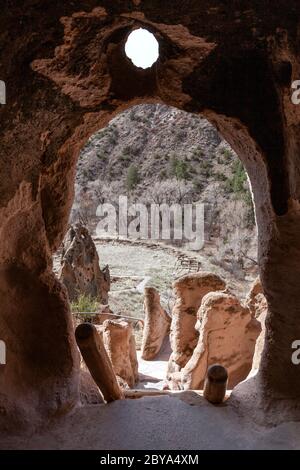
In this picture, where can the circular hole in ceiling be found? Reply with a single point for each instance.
(142, 48)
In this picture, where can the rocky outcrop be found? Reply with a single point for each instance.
(255, 300)
(80, 271)
(260, 343)
(120, 345)
(257, 303)
(156, 324)
(227, 336)
(189, 291)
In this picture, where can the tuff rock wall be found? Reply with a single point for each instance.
(67, 76)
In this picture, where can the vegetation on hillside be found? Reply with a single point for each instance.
(153, 153)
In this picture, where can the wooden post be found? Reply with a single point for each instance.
(96, 358)
(215, 384)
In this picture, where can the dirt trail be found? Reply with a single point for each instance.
(153, 373)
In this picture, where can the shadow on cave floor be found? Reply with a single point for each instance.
(161, 422)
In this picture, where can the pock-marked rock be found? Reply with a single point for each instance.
(120, 345)
(156, 326)
(255, 300)
(80, 270)
(227, 336)
(257, 303)
(189, 291)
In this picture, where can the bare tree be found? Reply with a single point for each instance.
(169, 191)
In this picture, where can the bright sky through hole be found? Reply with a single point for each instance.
(142, 48)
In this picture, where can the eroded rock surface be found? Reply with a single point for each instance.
(89, 391)
(227, 336)
(189, 291)
(156, 324)
(256, 300)
(120, 345)
(257, 303)
(80, 270)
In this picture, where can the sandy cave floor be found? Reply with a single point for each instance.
(153, 423)
(153, 373)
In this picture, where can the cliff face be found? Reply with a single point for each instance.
(159, 154)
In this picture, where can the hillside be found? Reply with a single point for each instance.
(154, 153)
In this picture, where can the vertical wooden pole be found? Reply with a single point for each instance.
(215, 384)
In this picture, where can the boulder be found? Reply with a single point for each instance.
(120, 345)
(156, 324)
(80, 271)
(227, 336)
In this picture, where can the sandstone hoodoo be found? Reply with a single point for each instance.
(156, 326)
(227, 336)
(120, 345)
(80, 271)
(189, 291)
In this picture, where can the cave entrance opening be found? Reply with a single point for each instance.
(137, 167)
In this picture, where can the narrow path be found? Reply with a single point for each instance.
(141, 286)
(153, 373)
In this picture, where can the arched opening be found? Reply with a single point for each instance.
(164, 200)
